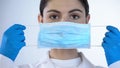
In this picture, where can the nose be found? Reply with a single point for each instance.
(65, 18)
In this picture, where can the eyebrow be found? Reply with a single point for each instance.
(54, 11)
(76, 10)
(69, 11)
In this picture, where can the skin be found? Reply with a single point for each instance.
(64, 10)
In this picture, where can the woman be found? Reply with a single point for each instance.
(52, 11)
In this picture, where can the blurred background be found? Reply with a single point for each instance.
(25, 12)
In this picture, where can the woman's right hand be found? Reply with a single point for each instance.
(12, 41)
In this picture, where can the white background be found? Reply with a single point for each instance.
(103, 13)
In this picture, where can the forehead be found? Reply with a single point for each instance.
(64, 5)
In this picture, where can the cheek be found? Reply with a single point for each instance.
(82, 20)
(45, 19)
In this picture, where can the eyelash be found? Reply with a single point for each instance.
(54, 17)
(74, 16)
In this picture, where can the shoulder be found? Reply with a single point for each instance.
(86, 61)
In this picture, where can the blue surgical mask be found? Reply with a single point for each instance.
(64, 35)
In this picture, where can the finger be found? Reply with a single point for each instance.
(103, 44)
(22, 27)
(111, 41)
(106, 45)
(110, 35)
(18, 27)
(20, 45)
(107, 40)
(21, 38)
(113, 30)
(19, 32)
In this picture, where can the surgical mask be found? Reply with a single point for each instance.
(64, 35)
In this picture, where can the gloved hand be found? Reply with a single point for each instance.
(12, 41)
(111, 45)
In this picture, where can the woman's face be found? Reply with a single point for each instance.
(64, 10)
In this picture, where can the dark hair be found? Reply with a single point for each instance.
(83, 2)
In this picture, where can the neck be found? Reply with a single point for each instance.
(63, 54)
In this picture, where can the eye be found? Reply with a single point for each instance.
(54, 17)
(74, 17)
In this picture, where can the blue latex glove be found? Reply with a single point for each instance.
(111, 45)
(12, 41)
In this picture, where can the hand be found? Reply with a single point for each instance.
(111, 45)
(12, 41)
